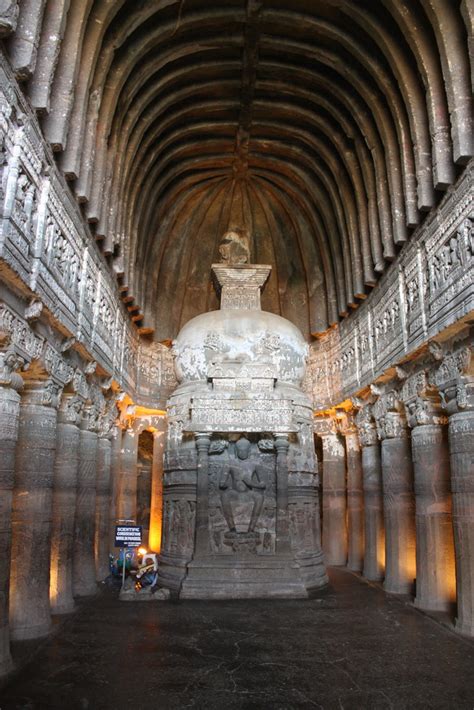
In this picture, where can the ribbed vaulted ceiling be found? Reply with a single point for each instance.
(327, 127)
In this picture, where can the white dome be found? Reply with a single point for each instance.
(240, 336)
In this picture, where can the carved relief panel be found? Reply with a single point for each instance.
(242, 497)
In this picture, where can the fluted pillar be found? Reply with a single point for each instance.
(127, 497)
(156, 505)
(84, 573)
(455, 379)
(398, 494)
(102, 507)
(334, 542)
(64, 503)
(435, 575)
(374, 532)
(10, 386)
(30, 615)
(355, 500)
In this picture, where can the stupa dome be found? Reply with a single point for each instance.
(240, 337)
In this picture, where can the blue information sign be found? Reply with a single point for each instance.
(128, 535)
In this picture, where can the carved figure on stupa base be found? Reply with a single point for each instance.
(240, 482)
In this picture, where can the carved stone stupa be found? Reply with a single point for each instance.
(241, 504)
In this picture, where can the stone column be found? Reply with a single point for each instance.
(374, 533)
(64, 503)
(10, 385)
(30, 615)
(127, 497)
(156, 507)
(435, 575)
(84, 574)
(455, 379)
(115, 467)
(282, 524)
(203, 442)
(398, 494)
(355, 500)
(102, 508)
(334, 493)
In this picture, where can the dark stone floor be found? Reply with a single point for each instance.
(354, 647)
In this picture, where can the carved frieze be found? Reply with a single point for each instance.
(429, 287)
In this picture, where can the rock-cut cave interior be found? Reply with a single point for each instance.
(236, 373)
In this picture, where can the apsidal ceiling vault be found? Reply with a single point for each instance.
(328, 128)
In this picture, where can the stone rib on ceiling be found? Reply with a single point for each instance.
(327, 127)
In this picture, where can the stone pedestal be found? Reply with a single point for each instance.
(461, 445)
(355, 502)
(84, 573)
(127, 497)
(334, 538)
(9, 417)
(102, 508)
(374, 533)
(435, 573)
(156, 505)
(64, 504)
(32, 509)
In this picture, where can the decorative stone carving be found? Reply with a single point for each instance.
(430, 290)
(10, 385)
(235, 247)
(240, 371)
(27, 343)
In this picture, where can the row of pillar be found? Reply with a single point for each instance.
(398, 489)
(55, 502)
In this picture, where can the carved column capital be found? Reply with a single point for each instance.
(346, 422)
(422, 401)
(45, 393)
(281, 443)
(9, 362)
(203, 442)
(90, 419)
(70, 409)
(325, 425)
(454, 379)
(366, 426)
(389, 415)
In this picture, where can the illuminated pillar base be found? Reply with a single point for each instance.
(435, 574)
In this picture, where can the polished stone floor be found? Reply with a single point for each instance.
(353, 647)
